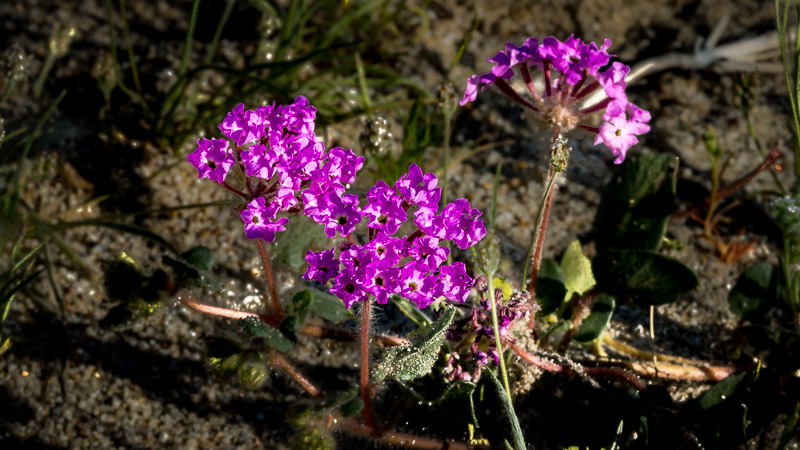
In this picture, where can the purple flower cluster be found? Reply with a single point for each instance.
(579, 65)
(411, 265)
(286, 168)
(479, 323)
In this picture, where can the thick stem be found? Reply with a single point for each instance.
(367, 412)
(276, 306)
(537, 238)
(498, 343)
(526, 76)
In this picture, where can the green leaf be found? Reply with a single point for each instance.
(289, 327)
(411, 311)
(636, 204)
(410, 362)
(271, 336)
(550, 288)
(352, 407)
(642, 275)
(597, 320)
(301, 232)
(200, 257)
(224, 355)
(300, 305)
(577, 270)
(456, 391)
(516, 431)
(122, 279)
(736, 409)
(329, 307)
(252, 376)
(755, 291)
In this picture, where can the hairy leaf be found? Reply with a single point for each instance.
(597, 320)
(271, 336)
(410, 362)
(642, 275)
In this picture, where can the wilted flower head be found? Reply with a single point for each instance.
(558, 101)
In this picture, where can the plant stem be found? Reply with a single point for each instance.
(277, 359)
(187, 49)
(234, 190)
(276, 306)
(399, 439)
(367, 411)
(126, 33)
(48, 64)
(537, 236)
(516, 431)
(212, 48)
(497, 341)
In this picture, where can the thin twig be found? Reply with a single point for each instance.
(367, 411)
(277, 359)
(399, 439)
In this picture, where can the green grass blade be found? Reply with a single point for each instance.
(187, 48)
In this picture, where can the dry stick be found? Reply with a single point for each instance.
(673, 367)
(276, 306)
(365, 306)
(551, 366)
(277, 359)
(399, 439)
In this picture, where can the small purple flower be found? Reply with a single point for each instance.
(342, 215)
(380, 281)
(454, 283)
(212, 159)
(386, 250)
(419, 189)
(348, 288)
(618, 132)
(242, 126)
(426, 251)
(259, 221)
(463, 223)
(385, 209)
(322, 266)
(474, 83)
(416, 285)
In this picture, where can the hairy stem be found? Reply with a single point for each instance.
(365, 307)
(534, 257)
(276, 306)
(277, 359)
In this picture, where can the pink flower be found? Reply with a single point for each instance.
(212, 159)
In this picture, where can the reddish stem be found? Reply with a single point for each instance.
(537, 253)
(596, 107)
(526, 76)
(588, 128)
(547, 82)
(551, 366)
(278, 360)
(234, 190)
(398, 439)
(365, 307)
(513, 95)
(276, 306)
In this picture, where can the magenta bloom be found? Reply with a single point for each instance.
(348, 288)
(426, 251)
(322, 266)
(212, 159)
(618, 132)
(342, 214)
(385, 209)
(569, 72)
(417, 285)
(259, 220)
(454, 283)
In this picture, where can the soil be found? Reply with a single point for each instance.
(67, 382)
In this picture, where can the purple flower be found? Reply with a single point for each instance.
(380, 281)
(454, 283)
(416, 285)
(212, 159)
(242, 126)
(259, 161)
(474, 83)
(322, 266)
(426, 251)
(419, 189)
(385, 250)
(348, 288)
(385, 209)
(342, 214)
(463, 225)
(259, 221)
(618, 132)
